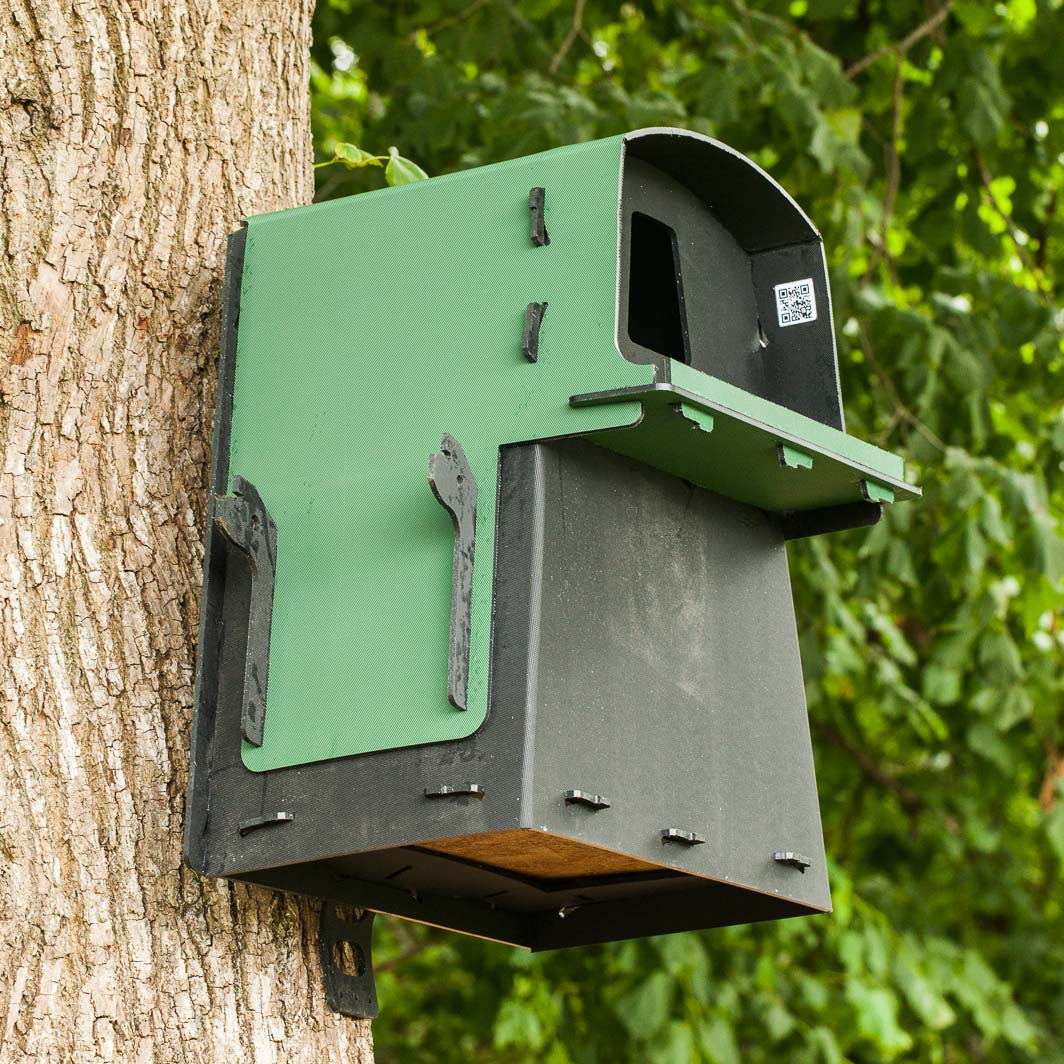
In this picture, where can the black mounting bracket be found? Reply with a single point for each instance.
(244, 521)
(453, 485)
(345, 944)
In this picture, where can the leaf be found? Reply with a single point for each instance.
(984, 110)
(686, 960)
(517, 1024)
(1017, 1029)
(1000, 659)
(986, 741)
(823, 1043)
(846, 124)
(400, 171)
(677, 1047)
(1054, 827)
(977, 15)
(940, 685)
(353, 157)
(975, 551)
(645, 1009)
(718, 1042)
(877, 1017)
(923, 997)
(778, 1022)
(1016, 705)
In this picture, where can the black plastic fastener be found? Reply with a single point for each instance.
(795, 860)
(540, 236)
(244, 521)
(266, 821)
(451, 480)
(594, 801)
(688, 838)
(530, 339)
(448, 790)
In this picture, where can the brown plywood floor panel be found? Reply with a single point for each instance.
(539, 854)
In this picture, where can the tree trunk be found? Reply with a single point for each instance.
(133, 135)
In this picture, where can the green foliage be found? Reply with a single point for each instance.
(397, 170)
(929, 147)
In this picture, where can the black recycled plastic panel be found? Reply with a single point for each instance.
(626, 606)
(734, 242)
(667, 632)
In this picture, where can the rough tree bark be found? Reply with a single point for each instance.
(134, 134)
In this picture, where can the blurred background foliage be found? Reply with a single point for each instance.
(927, 142)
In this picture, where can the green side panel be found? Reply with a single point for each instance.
(721, 395)
(369, 327)
(702, 419)
(740, 457)
(878, 492)
(795, 459)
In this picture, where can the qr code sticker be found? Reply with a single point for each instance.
(796, 302)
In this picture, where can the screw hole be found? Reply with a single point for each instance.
(348, 913)
(348, 958)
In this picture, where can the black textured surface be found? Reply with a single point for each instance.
(737, 236)
(665, 673)
(748, 203)
(797, 524)
(205, 700)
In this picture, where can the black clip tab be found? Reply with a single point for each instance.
(455, 489)
(345, 945)
(594, 801)
(530, 339)
(795, 860)
(688, 838)
(244, 521)
(266, 821)
(540, 236)
(460, 790)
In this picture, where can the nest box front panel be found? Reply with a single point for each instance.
(667, 675)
